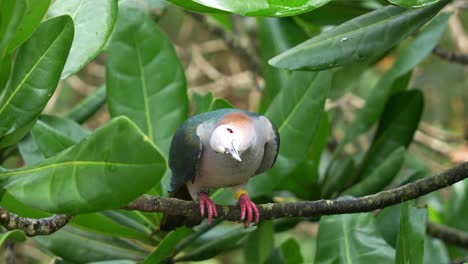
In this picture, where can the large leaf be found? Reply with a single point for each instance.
(408, 58)
(276, 8)
(410, 245)
(260, 243)
(297, 113)
(202, 102)
(107, 170)
(35, 75)
(49, 140)
(335, 13)
(94, 21)
(166, 247)
(364, 37)
(35, 10)
(276, 35)
(413, 3)
(10, 19)
(351, 238)
(145, 79)
(80, 246)
(435, 251)
(219, 103)
(5, 70)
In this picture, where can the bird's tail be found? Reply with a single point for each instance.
(171, 222)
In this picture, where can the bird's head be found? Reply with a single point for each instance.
(231, 140)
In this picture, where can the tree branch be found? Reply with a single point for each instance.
(31, 226)
(368, 203)
(447, 234)
(450, 56)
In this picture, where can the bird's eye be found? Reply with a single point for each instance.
(229, 130)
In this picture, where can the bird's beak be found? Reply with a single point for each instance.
(233, 152)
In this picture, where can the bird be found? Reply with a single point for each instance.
(220, 148)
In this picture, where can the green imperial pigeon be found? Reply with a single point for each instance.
(222, 148)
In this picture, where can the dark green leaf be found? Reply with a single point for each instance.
(363, 37)
(334, 13)
(80, 246)
(35, 11)
(145, 79)
(296, 112)
(408, 58)
(35, 75)
(351, 238)
(291, 251)
(66, 126)
(107, 170)
(94, 21)
(10, 18)
(381, 176)
(166, 247)
(88, 106)
(276, 35)
(29, 151)
(413, 3)
(202, 102)
(338, 174)
(260, 243)
(16, 235)
(410, 245)
(276, 8)
(49, 140)
(219, 103)
(5, 70)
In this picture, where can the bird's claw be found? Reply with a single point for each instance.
(204, 200)
(247, 206)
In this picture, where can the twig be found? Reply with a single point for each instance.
(447, 234)
(451, 56)
(368, 203)
(9, 253)
(461, 260)
(31, 226)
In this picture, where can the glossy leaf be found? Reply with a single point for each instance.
(29, 151)
(202, 102)
(409, 57)
(397, 126)
(166, 247)
(107, 170)
(296, 112)
(276, 35)
(67, 127)
(94, 21)
(260, 243)
(219, 103)
(334, 13)
(410, 245)
(88, 106)
(49, 140)
(145, 79)
(388, 223)
(10, 19)
(35, 75)
(366, 36)
(35, 11)
(381, 176)
(276, 8)
(16, 235)
(413, 3)
(351, 238)
(5, 70)
(80, 246)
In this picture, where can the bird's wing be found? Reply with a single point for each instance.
(271, 146)
(185, 153)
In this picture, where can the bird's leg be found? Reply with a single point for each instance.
(246, 205)
(205, 201)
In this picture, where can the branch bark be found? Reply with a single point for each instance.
(451, 56)
(31, 226)
(368, 203)
(450, 235)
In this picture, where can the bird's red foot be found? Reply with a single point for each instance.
(247, 206)
(204, 200)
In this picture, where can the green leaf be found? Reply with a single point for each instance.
(29, 151)
(381, 176)
(145, 79)
(219, 103)
(88, 106)
(271, 8)
(195, 7)
(49, 140)
(410, 245)
(366, 36)
(408, 58)
(435, 251)
(413, 3)
(297, 114)
(35, 75)
(291, 251)
(5, 70)
(351, 238)
(66, 126)
(94, 21)
(16, 235)
(10, 18)
(80, 246)
(397, 126)
(334, 13)
(276, 35)
(35, 11)
(260, 243)
(107, 170)
(166, 247)
(202, 102)
(388, 223)
(338, 174)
